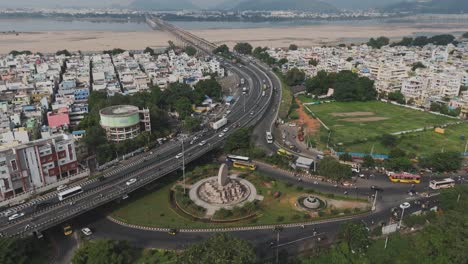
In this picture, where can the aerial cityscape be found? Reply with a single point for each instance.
(242, 131)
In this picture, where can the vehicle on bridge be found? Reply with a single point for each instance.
(69, 193)
(404, 177)
(244, 165)
(219, 124)
(442, 184)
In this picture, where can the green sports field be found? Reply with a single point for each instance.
(357, 126)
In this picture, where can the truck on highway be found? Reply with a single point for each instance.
(242, 81)
(219, 124)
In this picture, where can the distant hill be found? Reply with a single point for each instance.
(361, 4)
(431, 6)
(305, 5)
(163, 4)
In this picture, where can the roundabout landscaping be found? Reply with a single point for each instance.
(167, 206)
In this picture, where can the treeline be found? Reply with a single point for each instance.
(443, 239)
(177, 97)
(348, 86)
(419, 41)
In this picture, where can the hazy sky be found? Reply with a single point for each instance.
(90, 3)
(201, 3)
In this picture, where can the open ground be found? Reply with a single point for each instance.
(152, 208)
(357, 126)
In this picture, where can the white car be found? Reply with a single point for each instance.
(228, 112)
(131, 181)
(15, 216)
(86, 231)
(405, 205)
(202, 143)
(221, 135)
(178, 156)
(8, 212)
(62, 187)
(225, 130)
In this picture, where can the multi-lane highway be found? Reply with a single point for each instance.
(45, 212)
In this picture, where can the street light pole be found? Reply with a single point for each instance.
(375, 200)
(401, 218)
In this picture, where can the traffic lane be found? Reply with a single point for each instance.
(143, 166)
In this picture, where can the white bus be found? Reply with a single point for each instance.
(69, 193)
(269, 137)
(442, 184)
(238, 158)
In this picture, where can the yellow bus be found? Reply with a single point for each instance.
(404, 177)
(244, 165)
(284, 153)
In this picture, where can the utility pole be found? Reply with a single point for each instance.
(375, 200)
(277, 229)
(401, 218)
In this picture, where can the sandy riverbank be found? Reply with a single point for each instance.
(271, 37)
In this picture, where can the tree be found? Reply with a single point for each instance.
(320, 83)
(243, 48)
(239, 140)
(223, 49)
(465, 35)
(313, 62)
(294, 77)
(349, 87)
(443, 161)
(420, 41)
(399, 164)
(218, 249)
(330, 167)
(368, 162)
(388, 140)
(183, 106)
(208, 87)
(63, 52)
(22, 251)
(435, 107)
(191, 51)
(191, 124)
(356, 236)
(418, 65)
(149, 50)
(346, 157)
(379, 42)
(397, 96)
(293, 47)
(103, 252)
(283, 61)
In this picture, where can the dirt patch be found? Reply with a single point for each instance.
(353, 114)
(343, 204)
(364, 119)
(311, 125)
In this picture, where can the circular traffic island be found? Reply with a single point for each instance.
(222, 192)
(311, 203)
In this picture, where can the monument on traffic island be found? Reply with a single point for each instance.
(222, 191)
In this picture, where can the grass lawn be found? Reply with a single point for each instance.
(356, 125)
(286, 98)
(152, 208)
(422, 143)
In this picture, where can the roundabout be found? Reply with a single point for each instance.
(222, 192)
